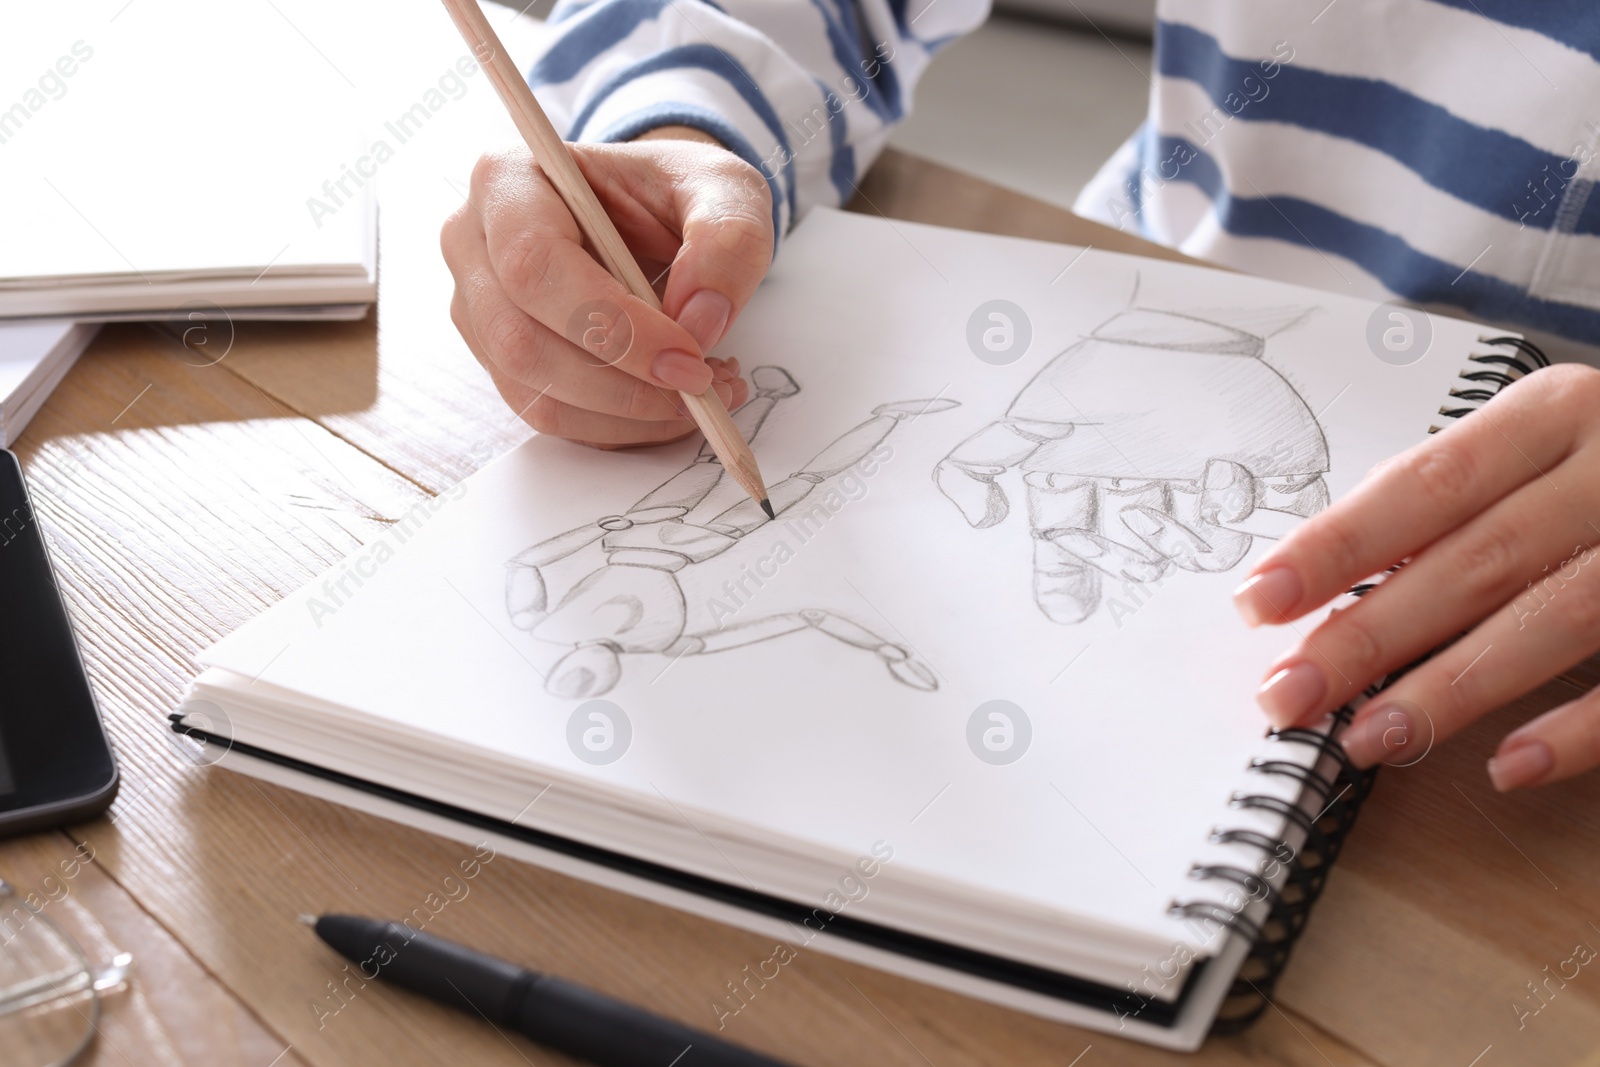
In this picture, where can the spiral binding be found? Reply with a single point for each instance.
(1528, 359)
(1338, 798)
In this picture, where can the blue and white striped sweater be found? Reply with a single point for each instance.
(1442, 151)
(805, 90)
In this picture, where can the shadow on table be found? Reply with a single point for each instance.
(145, 375)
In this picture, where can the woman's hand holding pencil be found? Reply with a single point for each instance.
(566, 344)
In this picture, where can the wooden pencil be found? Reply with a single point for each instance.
(552, 156)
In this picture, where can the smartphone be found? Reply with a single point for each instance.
(56, 764)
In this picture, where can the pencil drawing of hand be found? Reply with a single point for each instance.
(1160, 442)
(639, 573)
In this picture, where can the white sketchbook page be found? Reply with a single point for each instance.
(1142, 720)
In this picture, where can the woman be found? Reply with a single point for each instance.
(1418, 149)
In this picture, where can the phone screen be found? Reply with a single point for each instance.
(52, 747)
(8, 784)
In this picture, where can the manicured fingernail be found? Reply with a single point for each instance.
(724, 392)
(1378, 736)
(1292, 693)
(680, 370)
(705, 316)
(1268, 597)
(1523, 763)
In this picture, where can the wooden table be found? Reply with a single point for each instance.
(181, 496)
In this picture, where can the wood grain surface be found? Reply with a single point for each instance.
(181, 495)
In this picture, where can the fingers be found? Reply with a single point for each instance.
(1495, 520)
(1421, 495)
(556, 332)
(1475, 570)
(1510, 653)
(727, 247)
(724, 370)
(1556, 745)
(719, 209)
(537, 254)
(546, 414)
(517, 347)
(539, 409)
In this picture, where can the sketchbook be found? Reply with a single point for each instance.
(281, 268)
(975, 707)
(153, 166)
(34, 357)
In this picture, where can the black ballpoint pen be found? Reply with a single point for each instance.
(566, 1017)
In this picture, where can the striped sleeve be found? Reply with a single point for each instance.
(806, 91)
(1445, 152)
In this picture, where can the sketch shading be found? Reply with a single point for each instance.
(1160, 441)
(632, 602)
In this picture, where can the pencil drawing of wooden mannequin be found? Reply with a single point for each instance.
(633, 602)
(1161, 440)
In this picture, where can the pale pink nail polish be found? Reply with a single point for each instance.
(1523, 763)
(1269, 597)
(705, 315)
(1380, 736)
(681, 370)
(1292, 693)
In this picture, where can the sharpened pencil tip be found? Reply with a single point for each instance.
(309, 920)
(766, 505)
